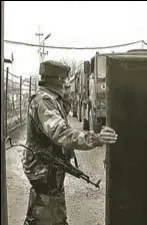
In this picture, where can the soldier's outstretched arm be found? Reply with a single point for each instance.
(55, 127)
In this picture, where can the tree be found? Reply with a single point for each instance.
(74, 65)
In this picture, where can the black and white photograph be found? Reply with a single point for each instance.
(73, 112)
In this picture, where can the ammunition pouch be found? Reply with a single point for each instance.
(45, 175)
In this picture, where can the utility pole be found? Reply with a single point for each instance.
(42, 43)
(39, 34)
(43, 53)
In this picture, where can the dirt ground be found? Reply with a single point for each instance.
(85, 203)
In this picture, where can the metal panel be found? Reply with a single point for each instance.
(4, 215)
(126, 189)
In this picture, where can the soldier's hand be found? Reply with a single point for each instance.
(107, 136)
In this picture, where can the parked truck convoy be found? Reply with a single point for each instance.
(112, 89)
(88, 90)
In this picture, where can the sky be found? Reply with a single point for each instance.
(71, 23)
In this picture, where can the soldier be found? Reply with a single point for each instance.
(47, 127)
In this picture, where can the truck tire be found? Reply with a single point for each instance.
(79, 111)
(74, 114)
(86, 124)
(91, 122)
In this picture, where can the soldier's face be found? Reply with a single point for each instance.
(67, 91)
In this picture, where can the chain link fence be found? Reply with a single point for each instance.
(17, 93)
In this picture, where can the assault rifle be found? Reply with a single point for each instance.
(57, 163)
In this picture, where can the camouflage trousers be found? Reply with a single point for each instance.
(46, 209)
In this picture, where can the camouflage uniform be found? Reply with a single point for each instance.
(48, 130)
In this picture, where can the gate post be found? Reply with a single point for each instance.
(4, 215)
(6, 101)
(20, 100)
(30, 87)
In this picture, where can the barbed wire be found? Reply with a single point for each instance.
(13, 82)
(16, 100)
(12, 74)
(75, 48)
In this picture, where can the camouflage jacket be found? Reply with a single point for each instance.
(47, 126)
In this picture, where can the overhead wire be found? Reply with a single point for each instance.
(75, 48)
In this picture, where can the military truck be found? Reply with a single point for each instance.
(93, 103)
(88, 90)
(116, 93)
(75, 92)
(78, 93)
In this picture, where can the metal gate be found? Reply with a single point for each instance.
(126, 188)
